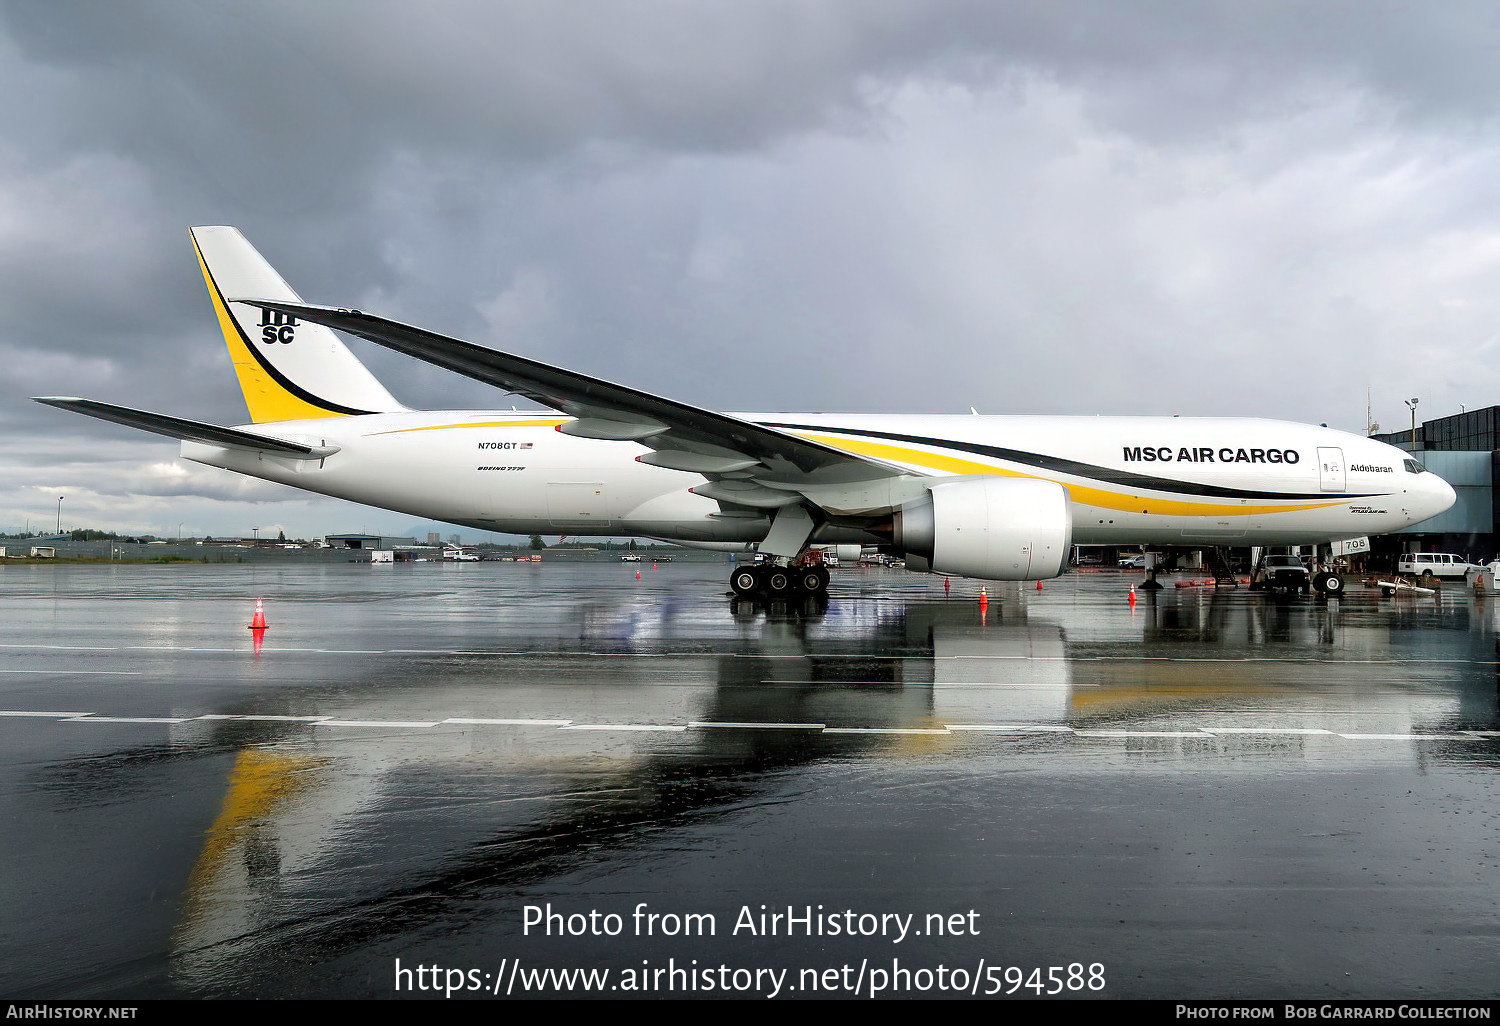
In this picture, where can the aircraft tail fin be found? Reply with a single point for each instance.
(288, 368)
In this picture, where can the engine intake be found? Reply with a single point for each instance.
(998, 528)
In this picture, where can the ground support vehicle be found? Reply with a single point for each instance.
(1429, 567)
(1282, 573)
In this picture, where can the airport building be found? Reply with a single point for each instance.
(375, 541)
(1464, 450)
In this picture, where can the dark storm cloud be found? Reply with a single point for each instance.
(867, 204)
(271, 99)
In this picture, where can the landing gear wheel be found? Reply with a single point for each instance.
(745, 581)
(1329, 583)
(813, 580)
(779, 582)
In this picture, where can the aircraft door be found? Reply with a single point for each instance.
(1331, 469)
(577, 505)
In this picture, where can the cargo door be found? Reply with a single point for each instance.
(578, 506)
(1331, 469)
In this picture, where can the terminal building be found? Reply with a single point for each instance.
(1463, 450)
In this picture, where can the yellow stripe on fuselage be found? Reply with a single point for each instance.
(1124, 503)
(265, 398)
(477, 424)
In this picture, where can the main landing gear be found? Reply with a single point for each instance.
(805, 576)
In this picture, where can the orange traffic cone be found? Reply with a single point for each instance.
(984, 599)
(258, 621)
(638, 575)
(1038, 585)
(1132, 596)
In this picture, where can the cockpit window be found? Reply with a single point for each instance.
(1413, 467)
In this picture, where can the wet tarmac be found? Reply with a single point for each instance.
(474, 774)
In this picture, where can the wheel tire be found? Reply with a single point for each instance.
(744, 581)
(1333, 584)
(1427, 578)
(813, 580)
(779, 583)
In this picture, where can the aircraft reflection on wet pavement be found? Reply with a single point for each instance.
(375, 798)
(294, 822)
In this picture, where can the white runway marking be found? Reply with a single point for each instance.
(1408, 737)
(113, 673)
(1207, 733)
(625, 726)
(272, 719)
(91, 718)
(1024, 728)
(375, 723)
(695, 725)
(1266, 730)
(1141, 733)
(507, 723)
(66, 648)
(43, 715)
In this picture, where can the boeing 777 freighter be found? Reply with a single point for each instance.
(1000, 498)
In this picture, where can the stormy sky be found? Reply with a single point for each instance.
(1142, 208)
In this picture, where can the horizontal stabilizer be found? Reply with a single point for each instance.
(603, 409)
(188, 430)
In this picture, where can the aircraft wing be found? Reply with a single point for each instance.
(188, 430)
(750, 466)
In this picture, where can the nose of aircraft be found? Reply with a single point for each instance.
(1437, 496)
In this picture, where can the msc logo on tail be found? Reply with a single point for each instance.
(277, 327)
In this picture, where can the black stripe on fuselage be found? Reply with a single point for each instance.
(1059, 465)
(276, 375)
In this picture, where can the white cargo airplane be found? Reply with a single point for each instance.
(1002, 498)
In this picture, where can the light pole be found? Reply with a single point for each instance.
(59, 514)
(1411, 404)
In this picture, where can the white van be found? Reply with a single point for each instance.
(1435, 564)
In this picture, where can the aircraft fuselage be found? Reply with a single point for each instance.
(1131, 480)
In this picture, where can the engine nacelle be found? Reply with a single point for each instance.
(999, 528)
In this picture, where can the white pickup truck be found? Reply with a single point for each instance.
(1281, 573)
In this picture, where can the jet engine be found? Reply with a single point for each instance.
(999, 528)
